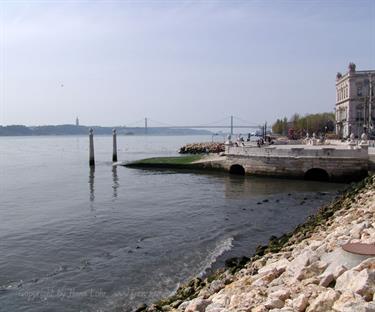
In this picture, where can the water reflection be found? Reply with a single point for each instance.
(247, 187)
(91, 184)
(115, 183)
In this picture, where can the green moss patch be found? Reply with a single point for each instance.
(166, 162)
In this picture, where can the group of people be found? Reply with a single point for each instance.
(260, 141)
(267, 140)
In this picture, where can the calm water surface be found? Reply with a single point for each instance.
(73, 239)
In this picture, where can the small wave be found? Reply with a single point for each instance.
(220, 248)
(11, 285)
(60, 269)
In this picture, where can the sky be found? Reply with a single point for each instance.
(113, 63)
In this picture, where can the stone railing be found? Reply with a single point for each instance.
(298, 151)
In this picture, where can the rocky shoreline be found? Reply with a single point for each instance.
(305, 270)
(202, 148)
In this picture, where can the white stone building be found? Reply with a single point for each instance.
(355, 109)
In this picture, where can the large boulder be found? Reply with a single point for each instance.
(298, 264)
(197, 305)
(281, 294)
(272, 303)
(300, 302)
(268, 278)
(311, 270)
(323, 302)
(326, 279)
(366, 264)
(362, 283)
(350, 301)
(357, 229)
(281, 264)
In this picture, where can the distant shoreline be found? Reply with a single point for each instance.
(56, 130)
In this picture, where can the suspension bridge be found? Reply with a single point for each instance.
(230, 123)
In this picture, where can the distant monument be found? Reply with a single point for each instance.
(77, 122)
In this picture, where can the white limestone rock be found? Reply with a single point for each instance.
(279, 265)
(214, 307)
(357, 229)
(260, 308)
(339, 270)
(368, 236)
(314, 244)
(197, 305)
(183, 306)
(323, 302)
(301, 261)
(348, 301)
(281, 294)
(362, 283)
(300, 303)
(369, 263)
(216, 285)
(311, 270)
(272, 303)
(326, 279)
(269, 277)
(221, 298)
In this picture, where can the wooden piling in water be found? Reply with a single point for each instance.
(91, 148)
(114, 153)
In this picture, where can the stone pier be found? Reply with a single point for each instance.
(324, 162)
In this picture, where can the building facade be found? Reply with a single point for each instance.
(355, 111)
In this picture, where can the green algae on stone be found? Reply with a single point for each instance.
(170, 162)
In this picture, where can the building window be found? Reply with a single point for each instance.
(359, 113)
(341, 114)
(359, 90)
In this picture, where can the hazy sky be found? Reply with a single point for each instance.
(178, 62)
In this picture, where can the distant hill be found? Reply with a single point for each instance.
(20, 130)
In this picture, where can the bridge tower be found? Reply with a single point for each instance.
(231, 125)
(146, 125)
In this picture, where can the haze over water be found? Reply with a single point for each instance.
(109, 239)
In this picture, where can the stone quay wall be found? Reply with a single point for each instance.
(296, 161)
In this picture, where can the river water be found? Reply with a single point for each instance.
(73, 239)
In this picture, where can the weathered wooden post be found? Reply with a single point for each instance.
(91, 149)
(114, 154)
(91, 183)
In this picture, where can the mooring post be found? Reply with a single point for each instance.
(91, 153)
(114, 154)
